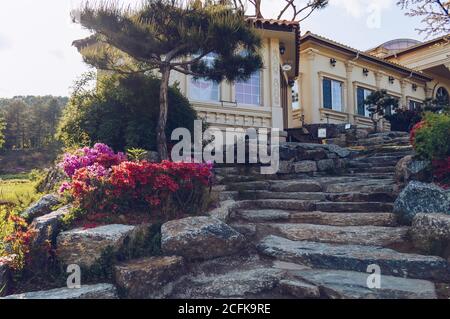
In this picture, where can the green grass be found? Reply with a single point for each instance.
(18, 190)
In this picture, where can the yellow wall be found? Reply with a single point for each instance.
(223, 114)
(315, 65)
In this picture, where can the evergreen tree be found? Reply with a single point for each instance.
(166, 36)
(380, 103)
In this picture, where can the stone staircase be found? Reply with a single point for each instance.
(292, 235)
(335, 223)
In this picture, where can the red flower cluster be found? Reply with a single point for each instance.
(441, 171)
(19, 240)
(138, 182)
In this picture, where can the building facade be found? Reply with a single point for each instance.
(264, 101)
(335, 79)
(312, 80)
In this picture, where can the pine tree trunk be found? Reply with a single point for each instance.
(161, 139)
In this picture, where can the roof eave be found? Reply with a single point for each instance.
(368, 57)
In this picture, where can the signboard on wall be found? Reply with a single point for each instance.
(322, 133)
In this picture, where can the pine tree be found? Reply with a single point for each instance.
(377, 104)
(166, 36)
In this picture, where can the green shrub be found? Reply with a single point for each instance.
(432, 139)
(122, 112)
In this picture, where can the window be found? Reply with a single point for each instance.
(362, 95)
(249, 92)
(332, 94)
(415, 106)
(442, 96)
(204, 90)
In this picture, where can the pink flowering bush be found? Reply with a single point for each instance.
(100, 154)
(103, 182)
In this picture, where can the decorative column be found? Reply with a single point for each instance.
(403, 101)
(429, 90)
(350, 107)
(277, 111)
(378, 78)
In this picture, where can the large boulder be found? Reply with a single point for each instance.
(200, 238)
(409, 169)
(419, 197)
(86, 247)
(99, 291)
(431, 234)
(42, 207)
(148, 278)
(48, 226)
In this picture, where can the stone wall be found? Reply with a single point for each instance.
(312, 158)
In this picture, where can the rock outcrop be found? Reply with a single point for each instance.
(431, 234)
(419, 197)
(149, 278)
(42, 207)
(86, 247)
(200, 238)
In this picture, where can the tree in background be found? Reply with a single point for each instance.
(166, 36)
(2, 136)
(380, 103)
(121, 111)
(292, 10)
(31, 121)
(435, 15)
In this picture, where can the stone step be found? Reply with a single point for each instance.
(363, 186)
(354, 207)
(375, 169)
(318, 218)
(357, 173)
(317, 196)
(356, 258)
(361, 235)
(98, 291)
(254, 195)
(382, 160)
(278, 186)
(339, 284)
(284, 204)
(397, 153)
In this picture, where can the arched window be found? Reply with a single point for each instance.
(442, 96)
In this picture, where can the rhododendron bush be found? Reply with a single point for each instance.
(102, 181)
(431, 141)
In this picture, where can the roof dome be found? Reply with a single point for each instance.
(399, 44)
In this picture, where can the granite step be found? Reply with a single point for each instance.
(354, 207)
(356, 258)
(317, 196)
(340, 284)
(361, 235)
(317, 218)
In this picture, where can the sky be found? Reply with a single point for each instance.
(37, 58)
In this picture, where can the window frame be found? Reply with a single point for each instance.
(365, 89)
(342, 95)
(260, 104)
